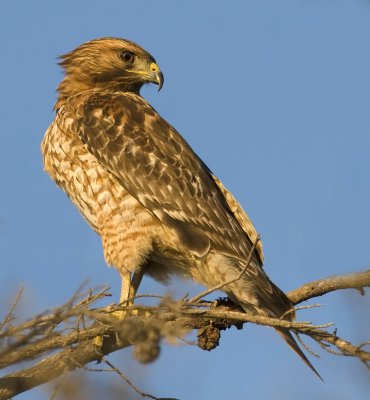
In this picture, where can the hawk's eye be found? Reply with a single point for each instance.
(127, 56)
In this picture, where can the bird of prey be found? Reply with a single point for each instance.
(157, 207)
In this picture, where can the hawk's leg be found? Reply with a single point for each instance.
(135, 282)
(129, 288)
(130, 285)
(125, 287)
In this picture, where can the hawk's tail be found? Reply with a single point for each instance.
(272, 302)
(287, 336)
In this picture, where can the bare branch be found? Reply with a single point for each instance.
(358, 280)
(9, 315)
(54, 366)
(75, 344)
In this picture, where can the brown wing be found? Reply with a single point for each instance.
(155, 164)
(241, 216)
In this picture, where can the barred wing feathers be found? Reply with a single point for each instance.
(155, 164)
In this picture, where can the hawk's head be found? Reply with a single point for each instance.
(110, 63)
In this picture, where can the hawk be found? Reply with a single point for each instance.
(157, 207)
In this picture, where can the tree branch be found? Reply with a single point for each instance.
(81, 334)
(359, 281)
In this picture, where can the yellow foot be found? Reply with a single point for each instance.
(98, 341)
(120, 314)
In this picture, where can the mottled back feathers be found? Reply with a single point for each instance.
(156, 165)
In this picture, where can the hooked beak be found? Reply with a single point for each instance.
(156, 75)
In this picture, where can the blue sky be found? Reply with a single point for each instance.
(274, 96)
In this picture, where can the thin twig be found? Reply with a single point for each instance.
(8, 316)
(58, 314)
(293, 310)
(135, 388)
(304, 345)
(93, 297)
(362, 345)
(222, 285)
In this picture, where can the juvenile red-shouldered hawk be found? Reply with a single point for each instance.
(157, 207)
